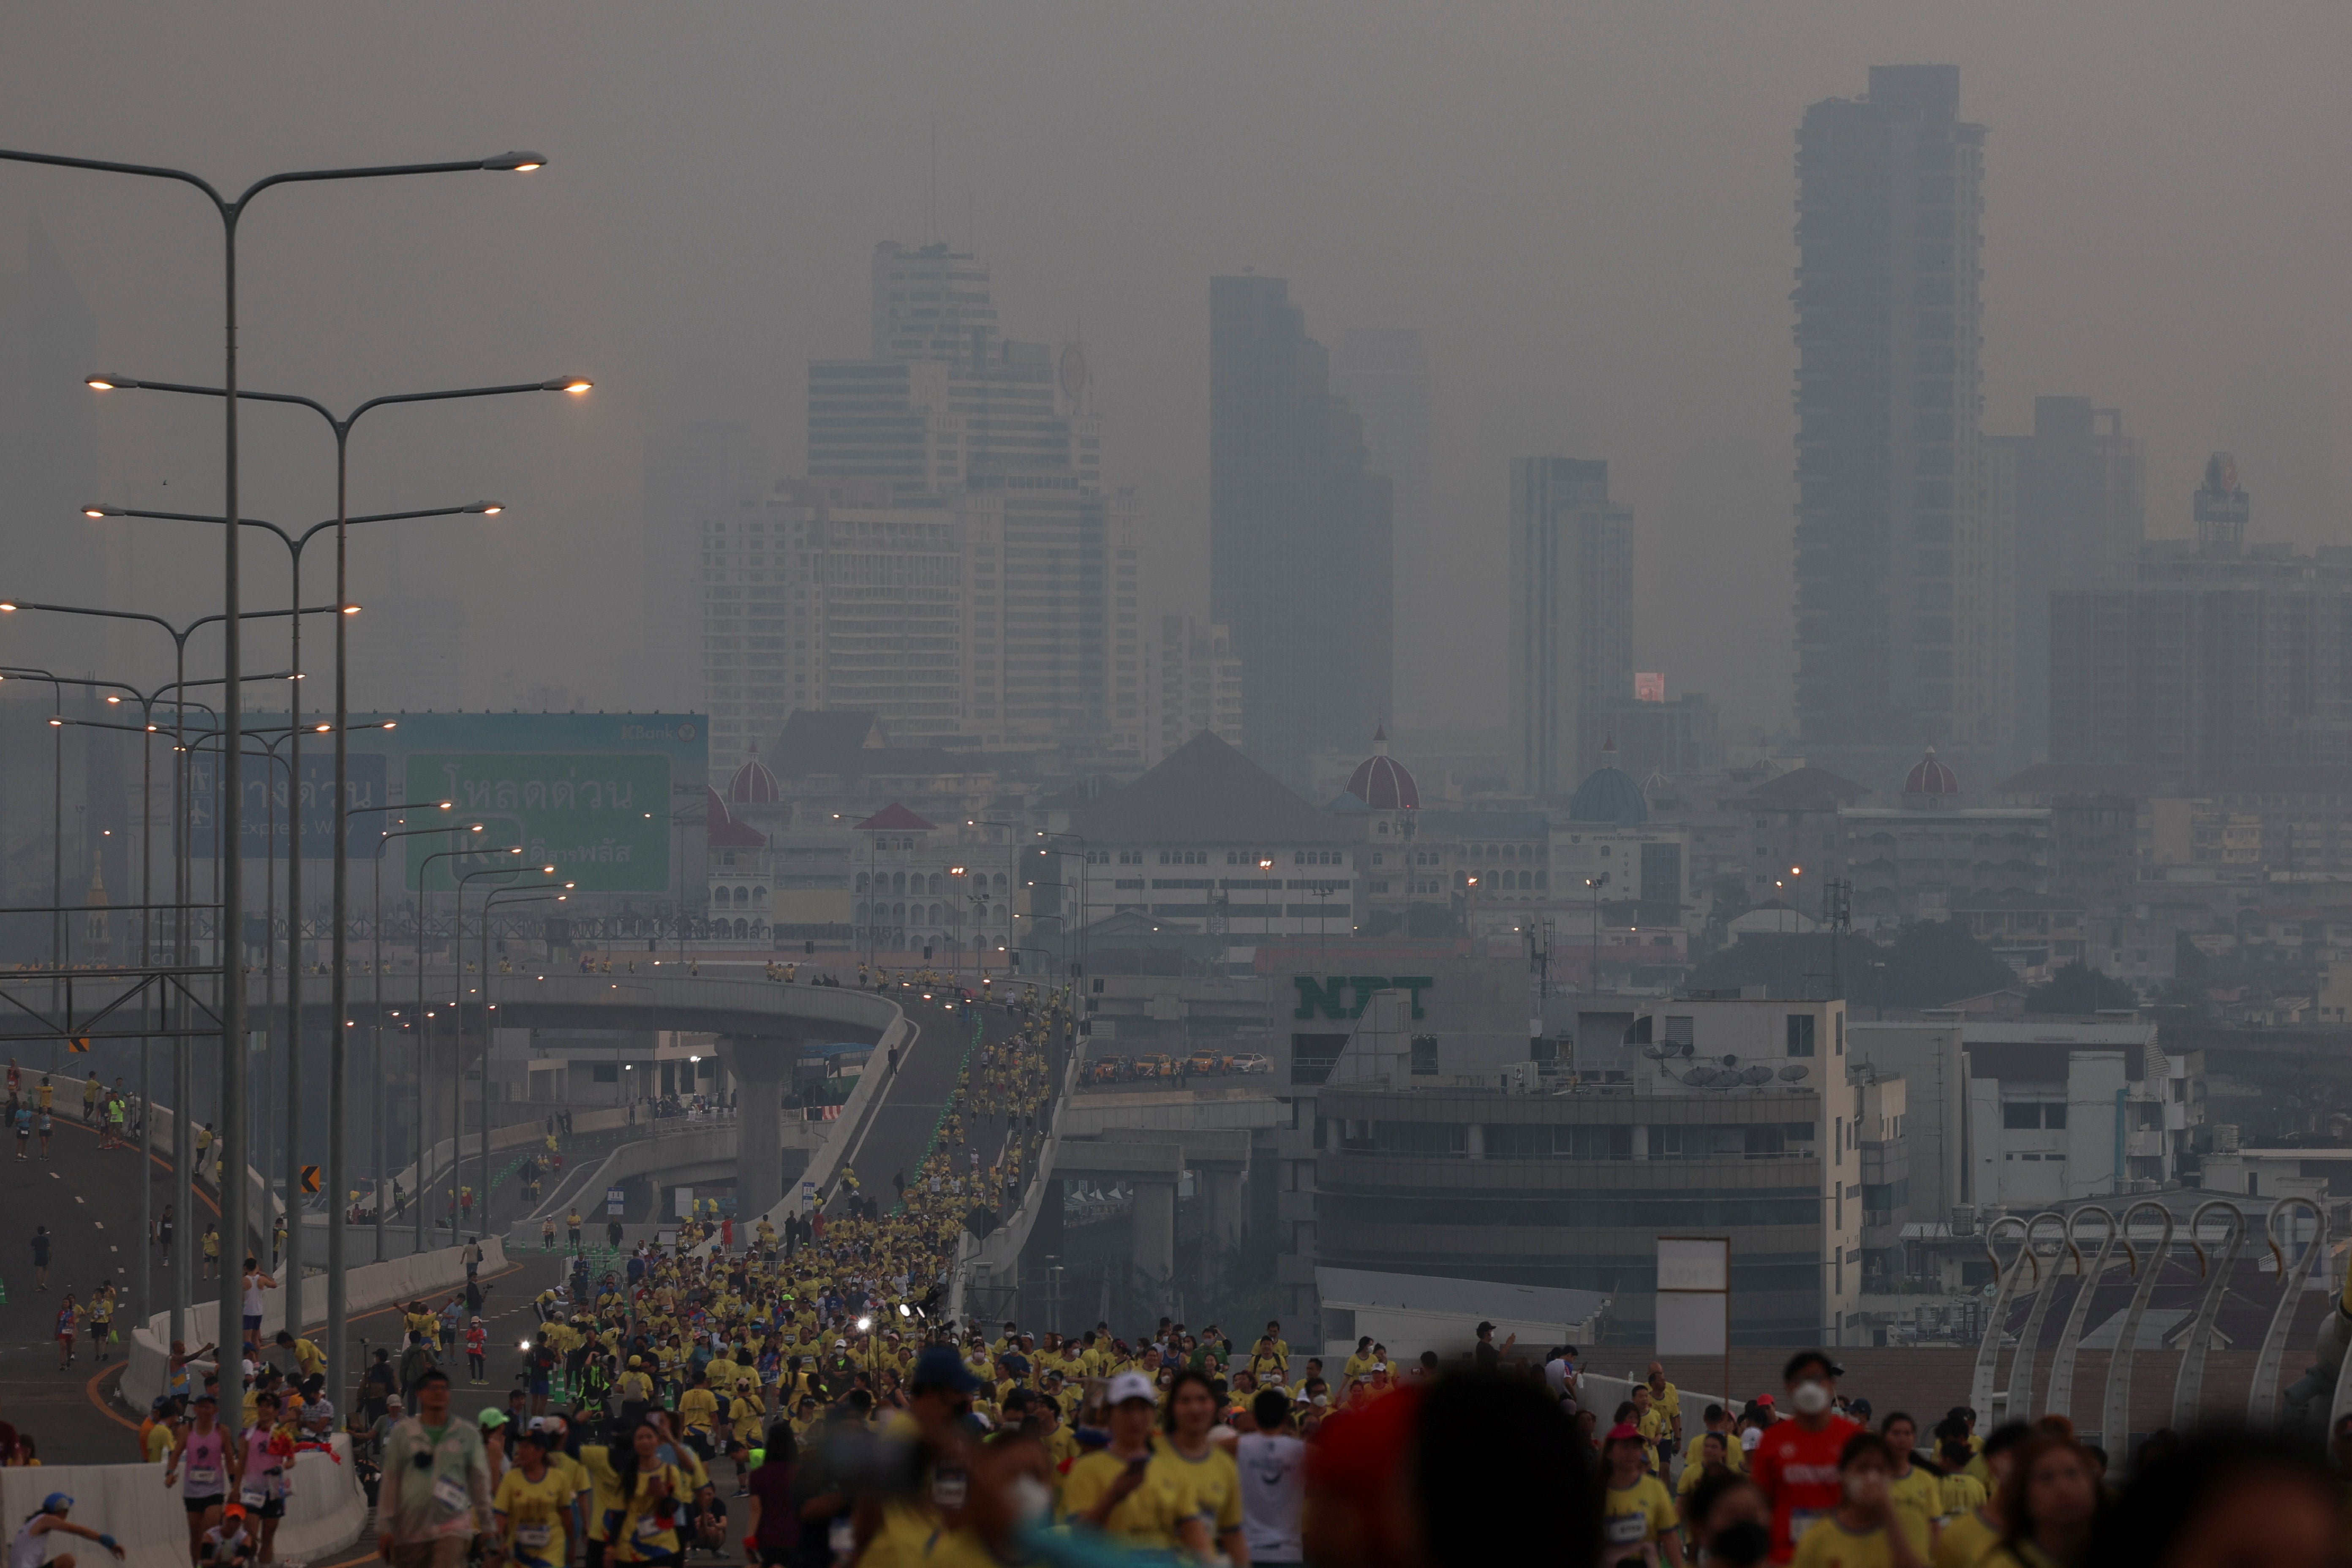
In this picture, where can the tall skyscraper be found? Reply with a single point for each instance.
(1383, 373)
(953, 562)
(1299, 533)
(1571, 619)
(1888, 319)
(2079, 492)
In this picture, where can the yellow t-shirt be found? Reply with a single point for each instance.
(1150, 1515)
(1693, 1473)
(1632, 1517)
(1829, 1544)
(1357, 1368)
(1962, 1494)
(532, 1516)
(1919, 1502)
(1652, 1423)
(698, 1410)
(1215, 1481)
(1965, 1541)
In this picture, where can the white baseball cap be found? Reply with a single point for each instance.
(1130, 1385)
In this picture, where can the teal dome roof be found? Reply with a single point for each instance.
(1610, 794)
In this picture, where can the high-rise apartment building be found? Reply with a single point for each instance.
(1383, 373)
(1299, 533)
(832, 596)
(2217, 655)
(1195, 684)
(953, 564)
(1571, 616)
(1888, 321)
(2077, 490)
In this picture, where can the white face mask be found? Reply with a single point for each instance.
(1811, 1398)
(1033, 1501)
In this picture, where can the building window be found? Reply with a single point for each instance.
(2026, 1114)
(1424, 1055)
(1800, 1034)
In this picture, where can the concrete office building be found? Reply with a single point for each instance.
(1299, 534)
(2078, 492)
(1417, 1153)
(1571, 616)
(1888, 391)
(1384, 375)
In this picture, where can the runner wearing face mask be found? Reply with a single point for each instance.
(1795, 1460)
(1730, 1520)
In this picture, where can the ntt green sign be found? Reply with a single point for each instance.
(1329, 998)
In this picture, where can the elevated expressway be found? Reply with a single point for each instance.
(761, 1027)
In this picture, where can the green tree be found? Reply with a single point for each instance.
(2078, 988)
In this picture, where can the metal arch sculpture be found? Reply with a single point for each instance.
(2061, 1401)
(1989, 1349)
(2262, 1400)
(2115, 1409)
(2188, 1384)
(2020, 1392)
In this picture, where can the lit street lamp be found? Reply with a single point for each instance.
(231, 210)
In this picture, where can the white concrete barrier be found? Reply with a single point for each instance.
(326, 1511)
(368, 1287)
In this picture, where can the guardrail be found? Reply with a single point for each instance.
(325, 1511)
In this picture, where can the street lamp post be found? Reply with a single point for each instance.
(425, 1036)
(231, 210)
(380, 1151)
(338, 994)
(457, 1022)
(295, 544)
(483, 1100)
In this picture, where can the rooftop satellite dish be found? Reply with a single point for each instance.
(1758, 1075)
(1730, 1061)
(1659, 1053)
(1700, 1076)
(1686, 1047)
(1794, 1071)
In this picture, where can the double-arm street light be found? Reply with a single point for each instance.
(382, 1152)
(336, 990)
(231, 210)
(482, 1101)
(423, 1039)
(295, 544)
(457, 1023)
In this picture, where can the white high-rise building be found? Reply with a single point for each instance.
(1194, 684)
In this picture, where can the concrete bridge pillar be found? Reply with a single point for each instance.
(760, 1068)
(1223, 1189)
(1155, 1230)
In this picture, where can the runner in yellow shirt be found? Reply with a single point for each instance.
(534, 1505)
(1117, 1490)
(1206, 1469)
(1637, 1512)
(1916, 1491)
(1866, 1530)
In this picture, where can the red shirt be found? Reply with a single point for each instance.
(1799, 1471)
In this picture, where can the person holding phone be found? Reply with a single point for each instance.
(1118, 1490)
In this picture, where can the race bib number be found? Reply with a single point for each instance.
(203, 1480)
(449, 1493)
(1626, 1529)
(254, 1496)
(650, 1526)
(533, 1535)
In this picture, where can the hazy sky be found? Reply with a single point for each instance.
(1585, 207)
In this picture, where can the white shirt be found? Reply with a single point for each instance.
(1274, 1484)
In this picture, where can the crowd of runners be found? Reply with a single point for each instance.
(794, 1395)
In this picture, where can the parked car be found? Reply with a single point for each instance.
(1252, 1063)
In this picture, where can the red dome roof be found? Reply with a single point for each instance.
(1931, 777)
(753, 784)
(1381, 782)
